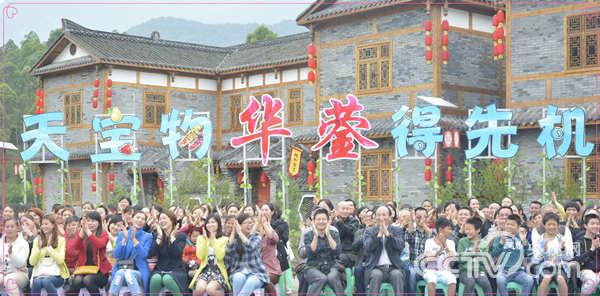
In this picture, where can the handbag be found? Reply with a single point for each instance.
(88, 269)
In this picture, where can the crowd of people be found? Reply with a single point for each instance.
(239, 250)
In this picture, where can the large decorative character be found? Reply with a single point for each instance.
(425, 134)
(198, 133)
(550, 133)
(41, 135)
(492, 132)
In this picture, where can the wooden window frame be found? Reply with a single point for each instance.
(569, 178)
(298, 102)
(365, 171)
(582, 33)
(71, 182)
(154, 125)
(258, 95)
(235, 125)
(379, 60)
(67, 109)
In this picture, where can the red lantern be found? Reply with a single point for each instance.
(428, 56)
(445, 56)
(312, 63)
(108, 102)
(109, 83)
(445, 40)
(94, 187)
(311, 181)
(427, 175)
(111, 176)
(449, 159)
(500, 49)
(37, 92)
(109, 93)
(500, 33)
(445, 25)
(96, 82)
(111, 187)
(428, 40)
(495, 20)
(500, 15)
(94, 177)
(312, 49)
(95, 103)
(449, 175)
(311, 76)
(428, 25)
(310, 167)
(428, 162)
(96, 93)
(35, 181)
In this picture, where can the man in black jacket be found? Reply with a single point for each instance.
(347, 225)
(587, 254)
(385, 244)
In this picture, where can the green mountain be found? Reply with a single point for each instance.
(177, 29)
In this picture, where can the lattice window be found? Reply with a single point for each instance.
(73, 113)
(377, 174)
(235, 108)
(583, 35)
(294, 106)
(155, 106)
(373, 69)
(75, 196)
(592, 174)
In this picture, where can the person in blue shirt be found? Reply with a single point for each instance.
(131, 253)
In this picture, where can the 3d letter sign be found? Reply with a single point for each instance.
(341, 128)
(197, 137)
(550, 133)
(261, 122)
(120, 149)
(41, 135)
(492, 131)
(425, 134)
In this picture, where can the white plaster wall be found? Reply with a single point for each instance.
(65, 55)
(482, 23)
(210, 84)
(255, 80)
(239, 84)
(226, 84)
(184, 82)
(270, 78)
(304, 73)
(290, 75)
(153, 78)
(122, 75)
(458, 18)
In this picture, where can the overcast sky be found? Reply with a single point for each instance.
(118, 15)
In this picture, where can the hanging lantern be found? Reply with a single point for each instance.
(498, 35)
(93, 186)
(111, 176)
(312, 49)
(310, 167)
(35, 181)
(444, 41)
(428, 42)
(108, 93)
(428, 170)
(111, 187)
(96, 82)
(312, 63)
(93, 176)
(311, 76)
(449, 161)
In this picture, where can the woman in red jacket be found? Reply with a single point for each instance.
(92, 240)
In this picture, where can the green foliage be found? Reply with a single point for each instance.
(261, 33)
(191, 186)
(289, 214)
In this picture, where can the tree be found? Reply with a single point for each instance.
(261, 33)
(54, 34)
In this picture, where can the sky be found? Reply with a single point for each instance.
(42, 16)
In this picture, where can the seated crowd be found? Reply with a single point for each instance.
(464, 250)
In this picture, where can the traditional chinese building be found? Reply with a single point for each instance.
(373, 50)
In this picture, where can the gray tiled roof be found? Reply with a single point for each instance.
(329, 8)
(114, 48)
(287, 49)
(530, 116)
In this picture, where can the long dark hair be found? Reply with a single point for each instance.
(219, 227)
(93, 215)
(44, 242)
(171, 217)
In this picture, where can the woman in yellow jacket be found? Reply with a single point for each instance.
(211, 247)
(48, 259)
